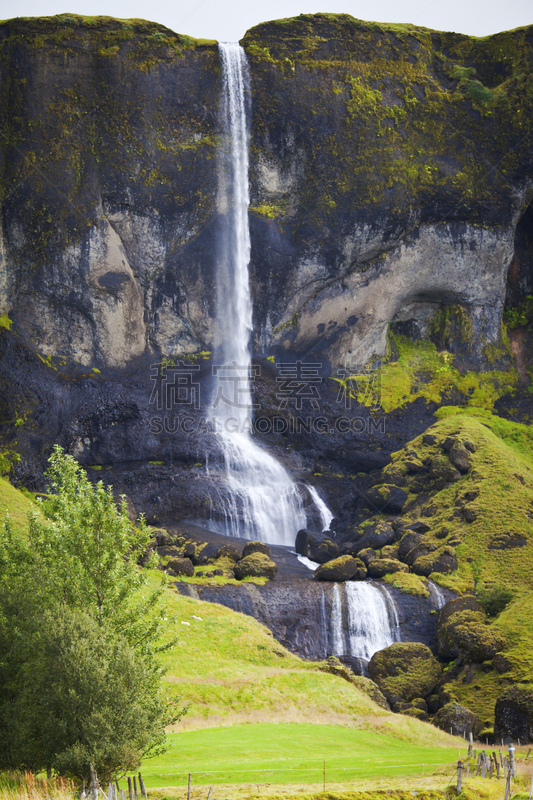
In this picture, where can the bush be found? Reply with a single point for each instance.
(493, 599)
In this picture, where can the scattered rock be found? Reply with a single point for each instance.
(344, 568)
(405, 669)
(385, 566)
(470, 446)
(181, 566)
(390, 551)
(204, 553)
(442, 533)
(421, 549)
(470, 513)
(460, 457)
(442, 470)
(408, 541)
(255, 565)
(316, 546)
(376, 535)
(466, 603)
(443, 560)
(514, 714)
(458, 719)
(255, 547)
(367, 555)
(429, 438)
(419, 527)
(387, 498)
(506, 541)
(501, 664)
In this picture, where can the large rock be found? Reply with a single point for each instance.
(315, 546)
(460, 457)
(375, 535)
(408, 541)
(344, 568)
(421, 549)
(513, 714)
(255, 565)
(255, 547)
(406, 670)
(388, 498)
(385, 566)
(467, 633)
(229, 551)
(181, 566)
(457, 720)
(442, 560)
(465, 603)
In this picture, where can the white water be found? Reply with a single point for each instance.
(366, 622)
(259, 500)
(325, 514)
(438, 596)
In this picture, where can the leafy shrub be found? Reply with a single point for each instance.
(493, 599)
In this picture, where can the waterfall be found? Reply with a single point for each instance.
(436, 595)
(365, 623)
(325, 514)
(258, 499)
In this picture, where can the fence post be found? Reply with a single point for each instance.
(189, 788)
(324, 776)
(94, 783)
(508, 785)
(136, 796)
(460, 766)
(512, 764)
(130, 789)
(142, 786)
(531, 789)
(209, 792)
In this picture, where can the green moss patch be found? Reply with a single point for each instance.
(409, 583)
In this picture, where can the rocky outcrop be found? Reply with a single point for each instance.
(457, 720)
(255, 565)
(344, 568)
(405, 671)
(467, 633)
(514, 714)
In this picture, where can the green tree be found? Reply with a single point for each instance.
(76, 577)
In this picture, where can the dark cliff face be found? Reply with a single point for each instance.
(387, 178)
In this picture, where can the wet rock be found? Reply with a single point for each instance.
(255, 547)
(421, 549)
(406, 669)
(458, 719)
(408, 541)
(181, 566)
(443, 560)
(467, 634)
(229, 551)
(255, 565)
(387, 497)
(316, 546)
(385, 566)
(376, 535)
(514, 714)
(344, 568)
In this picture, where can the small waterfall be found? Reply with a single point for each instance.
(324, 622)
(257, 499)
(370, 620)
(436, 595)
(325, 514)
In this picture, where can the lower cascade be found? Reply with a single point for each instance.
(256, 498)
(363, 620)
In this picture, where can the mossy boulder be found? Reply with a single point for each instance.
(204, 553)
(372, 690)
(468, 634)
(390, 551)
(405, 670)
(255, 565)
(388, 498)
(465, 603)
(315, 546)
(457, 719)
(514, 714)
(367, 555)
(181, 566)
(229, 551)
(443, 560)
(255, 547)
(375, 535)
(344, 568)
(385, 566)
(460, 457)
(408, 541)
(421, 549)
(417, 713)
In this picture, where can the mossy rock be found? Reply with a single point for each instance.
(367, 555)
(514, 714)
(460, 458)
(229, 551)
(344, 568)
(465, 603)
(256, 547)
(421, 549)
(204, 553)
(468, 634)
(315, 546)
(456, 719)
(385, 566)
(406, 670)
(388, 498)
(372, 690)
(408, 541)
(390, 551)
(417, 713)
(443, 560)
(255, 565)
(375, 535)
(181, 566)
(443, 471)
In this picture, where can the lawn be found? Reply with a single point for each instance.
(289, 754)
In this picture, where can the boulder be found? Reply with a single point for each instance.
(408, 541)
(255, 565)
(387, 497)
(421, 549)
(460, 457)
(417, 713)
(316, 546)
(367, 555)
(181, 566)
(466, 603)
(457, 719)
(419, 527)
(372, 690)
(442, 470)
(255, 547)
(514, 714)
(467, 634)
(204, 553)
(229, 551)
(390, 551)
(405, 669)
(385, 566)
(376, 535)
(442, 560)
(344, 568)
(501, 664)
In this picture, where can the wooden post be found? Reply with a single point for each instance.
(142, 786)
(94, 783)
(209, 792)
(136, 796)
(483, 767)
(189, 788)
(498, 770)
(508, 785)
(460, 766)
(110, 792)
(501, 757)
(467, 771)
(478, 770)
(117, 787)
(324, 776)
(491, 768)
(531, 789)
(512, 765)
(122, 794)
(528, 752)
(130, 788)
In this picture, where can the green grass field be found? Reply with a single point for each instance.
(290, 754)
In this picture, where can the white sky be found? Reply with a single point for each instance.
(228, 20)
